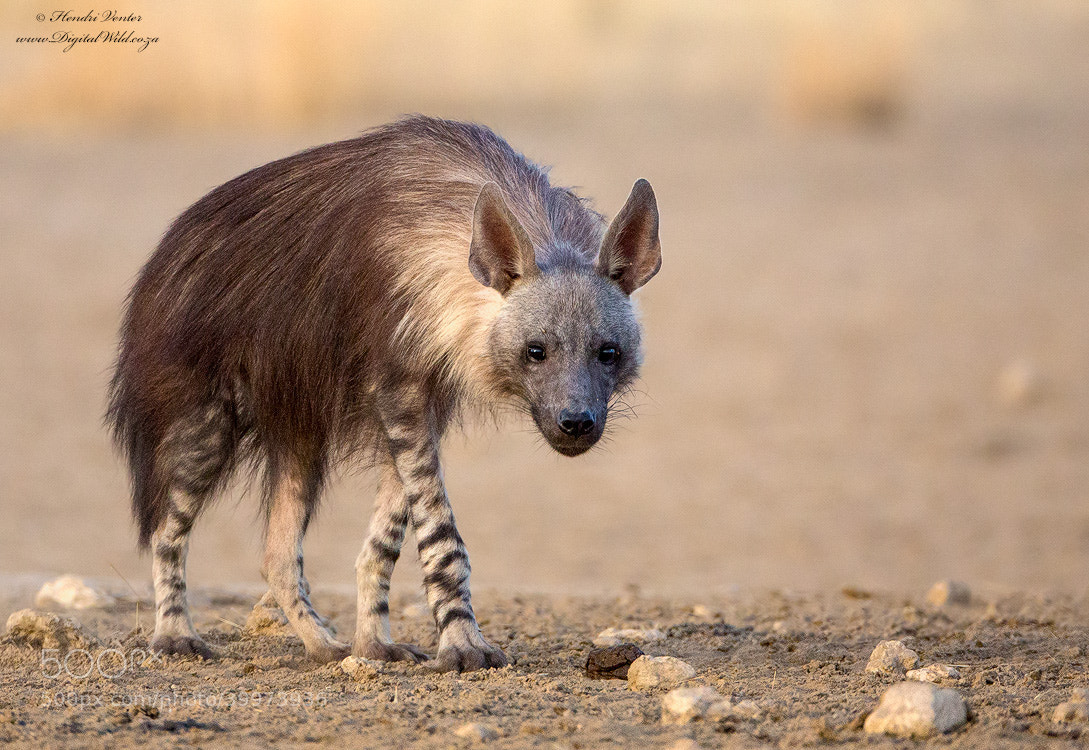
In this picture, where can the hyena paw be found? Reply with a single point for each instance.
(329, 651)
(468, 655)
(187, 645)
(379, 651)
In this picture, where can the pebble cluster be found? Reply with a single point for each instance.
(920, 702)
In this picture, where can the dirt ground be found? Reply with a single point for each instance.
(800, 658)
(867, 367)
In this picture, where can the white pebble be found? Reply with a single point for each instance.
(917, 710)
(616, 636)
(949, 592)
(71, 593)
(658, 672)
(684, 705)
(892, 657)
(934, 673)
(476, 732)
(47, 630)
(360, 670)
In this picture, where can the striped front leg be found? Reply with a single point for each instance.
(413, 446)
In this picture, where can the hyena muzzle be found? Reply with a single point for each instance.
(351, 302)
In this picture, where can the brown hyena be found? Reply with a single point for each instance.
(350, 302)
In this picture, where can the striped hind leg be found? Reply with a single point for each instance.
(195, 454)
(174, 631)
(291, 499)
(374, 567)
(413, 442)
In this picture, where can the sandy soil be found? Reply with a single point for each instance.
(867, 365)
(801, 659)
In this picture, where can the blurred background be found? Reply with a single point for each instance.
(867, 350)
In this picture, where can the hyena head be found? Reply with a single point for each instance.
(566, 339)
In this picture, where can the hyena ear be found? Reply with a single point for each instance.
(501, 253)
(630, 253)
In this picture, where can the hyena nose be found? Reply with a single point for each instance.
(576, 423)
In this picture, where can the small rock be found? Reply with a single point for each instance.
(933, 673)
(704, 612)
(949, 592)
(71, 593)
(917, 710)
(613, 662)
(476, 732)
(360, 670)
(616, 636)
(892, 657)
(664, 672)
(47, 630)
(267, 618)
(1075, 709)
(684, 705)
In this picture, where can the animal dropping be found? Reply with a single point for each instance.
(351, 302)
(611, 663)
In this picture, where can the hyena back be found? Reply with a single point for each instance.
(349, 302)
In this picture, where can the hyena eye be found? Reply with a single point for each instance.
(535, 352)
(608, 355)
